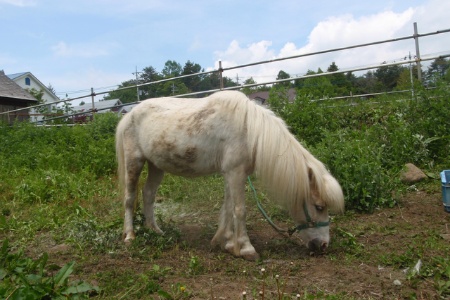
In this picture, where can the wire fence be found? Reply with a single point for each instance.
(417, 59)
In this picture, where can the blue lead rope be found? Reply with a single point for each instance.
(263, 212)
(309, 222)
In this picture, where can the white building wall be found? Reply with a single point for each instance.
(49, 98)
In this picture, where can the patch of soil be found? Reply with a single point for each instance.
(354, 270)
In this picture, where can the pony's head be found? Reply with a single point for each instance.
(313, 221)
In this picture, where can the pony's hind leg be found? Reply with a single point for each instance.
(133, 168)
(154, 179)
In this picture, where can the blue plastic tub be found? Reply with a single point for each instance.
(445, 180)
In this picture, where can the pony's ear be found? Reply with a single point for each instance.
(312, 179)
(310, 174)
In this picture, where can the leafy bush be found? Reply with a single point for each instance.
(429, 115)
(366, 142)
(24, 278)
(56, 163)
(356, 162)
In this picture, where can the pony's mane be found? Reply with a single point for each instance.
(283, 165)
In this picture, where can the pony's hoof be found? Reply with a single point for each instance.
(158, 231)
(128, 238)
(251, 256)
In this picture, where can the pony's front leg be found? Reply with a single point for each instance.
(154, 179)
(232, 231)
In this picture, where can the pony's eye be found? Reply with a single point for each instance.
(319, 208)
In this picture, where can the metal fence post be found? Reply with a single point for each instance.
(416, 39)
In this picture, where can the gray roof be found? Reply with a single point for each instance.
(101, 106)
(262, 96)
(14, 76)
(10, 89)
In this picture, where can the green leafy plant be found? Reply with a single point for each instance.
(24, 278)
(195, 266)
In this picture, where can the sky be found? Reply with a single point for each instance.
(78, 45)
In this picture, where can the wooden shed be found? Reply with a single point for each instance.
(13, 97)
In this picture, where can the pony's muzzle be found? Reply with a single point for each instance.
(317, 245)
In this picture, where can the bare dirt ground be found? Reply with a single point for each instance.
(367, 260)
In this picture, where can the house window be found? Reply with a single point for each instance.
(27, 81)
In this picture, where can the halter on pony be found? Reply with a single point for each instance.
(309, 222)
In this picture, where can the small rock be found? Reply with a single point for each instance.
(412, 174)
(446, 236)
(397, 282)
(59, 248)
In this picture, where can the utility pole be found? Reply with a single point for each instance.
(137, 83)
(173, 89)
(220, 75)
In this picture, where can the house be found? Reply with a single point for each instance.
(113, 105)
(262, 97)
(128, 107)
(103, 106)
(28, 81)
(13, 97)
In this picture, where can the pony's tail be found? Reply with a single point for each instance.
(120, 156)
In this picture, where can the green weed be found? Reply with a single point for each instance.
(24, 278)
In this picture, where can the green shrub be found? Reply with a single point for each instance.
(356, 162)
(366, 142)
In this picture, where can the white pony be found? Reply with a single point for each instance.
(224, 133)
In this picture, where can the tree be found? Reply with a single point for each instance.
(447, 76)
(437, 70)
(351, 79)
(283, 75)
(192, 82)
(126, 92)
(404, 80)
(51, 89)
(172, 88)
(341, 85)
(149, 74)
(367, 83)
(45, 109)
(315, 87)
(171, 69)
(249, 90)
(388, 76)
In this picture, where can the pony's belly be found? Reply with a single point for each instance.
(182, 169)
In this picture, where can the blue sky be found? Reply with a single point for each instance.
(76, 45)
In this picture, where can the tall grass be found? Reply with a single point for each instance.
(55, 164)
(364, 143)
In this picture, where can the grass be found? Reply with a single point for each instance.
(168, 268)
(58, 195)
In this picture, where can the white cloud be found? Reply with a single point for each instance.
(335, 32)
(85, 50)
